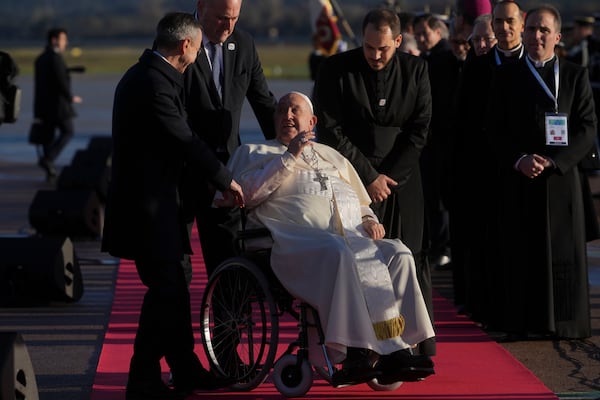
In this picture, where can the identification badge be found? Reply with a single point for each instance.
(556, 130)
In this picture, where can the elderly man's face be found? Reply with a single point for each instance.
(293, 116)
(483, 38)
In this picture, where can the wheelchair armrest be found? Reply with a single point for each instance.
(253, 233)
(254, 239)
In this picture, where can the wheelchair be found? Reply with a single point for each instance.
(239, 324)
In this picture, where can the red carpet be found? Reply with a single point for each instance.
(469, 365)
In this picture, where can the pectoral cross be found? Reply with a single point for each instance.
(321, 179)
(313, 161)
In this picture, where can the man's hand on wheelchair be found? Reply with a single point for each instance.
(234, 196)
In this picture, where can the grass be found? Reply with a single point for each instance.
(279, 61)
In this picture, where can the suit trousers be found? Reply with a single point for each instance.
(165, 325)
(66, 131)
(217, 228)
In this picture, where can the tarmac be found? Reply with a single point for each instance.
(64, 339)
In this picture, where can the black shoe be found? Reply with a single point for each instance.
(145, 390)
(442, 263)
(203, 380)
(402, 366)
(358, 367)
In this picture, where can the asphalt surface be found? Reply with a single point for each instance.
(64, 339)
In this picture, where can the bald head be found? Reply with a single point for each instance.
(218, 18)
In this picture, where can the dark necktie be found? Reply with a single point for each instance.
(216, 59)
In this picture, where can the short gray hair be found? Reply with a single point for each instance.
(174, 27)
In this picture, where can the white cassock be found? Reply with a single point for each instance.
(365, 291)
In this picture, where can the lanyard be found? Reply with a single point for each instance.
(499, 61)
(553, 97)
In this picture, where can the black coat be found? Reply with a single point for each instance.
(53, 99)
(541, 282)
(390, 142)
(444, 71)
(152, 145)
(384, 139)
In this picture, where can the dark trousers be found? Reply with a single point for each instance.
(217, 228)
(165, 325)
(53, 148)
(435, 194)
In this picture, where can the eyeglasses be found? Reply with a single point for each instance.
(486, 39)
(459, 42)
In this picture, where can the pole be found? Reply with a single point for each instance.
(344, 22)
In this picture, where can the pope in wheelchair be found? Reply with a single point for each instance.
(329, 252)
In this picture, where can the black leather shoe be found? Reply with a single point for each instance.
(145, 390)
(402, 366)
(358, 367)
(203, 380)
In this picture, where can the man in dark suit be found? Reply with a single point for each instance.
(215, 114)
(542, 123)
(144, 216)
(374, 106)
(53, 99)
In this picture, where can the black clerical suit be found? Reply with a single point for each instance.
(144, 215)
(541, 284)
(444, 71)
(587, 54)
(379, 120)
(217, 122)
(472, 224)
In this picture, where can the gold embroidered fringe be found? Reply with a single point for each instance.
(390, 328)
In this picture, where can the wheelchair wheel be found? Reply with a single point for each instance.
(239, 323)
(378, 387)
(291, 379)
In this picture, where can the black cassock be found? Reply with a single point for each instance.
(379, 120)
(540, 282)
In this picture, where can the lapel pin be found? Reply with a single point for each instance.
(230, 46)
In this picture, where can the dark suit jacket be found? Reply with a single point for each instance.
(52, 97)
(217, 121)
(152, 145)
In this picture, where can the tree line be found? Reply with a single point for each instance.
(121, 19)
